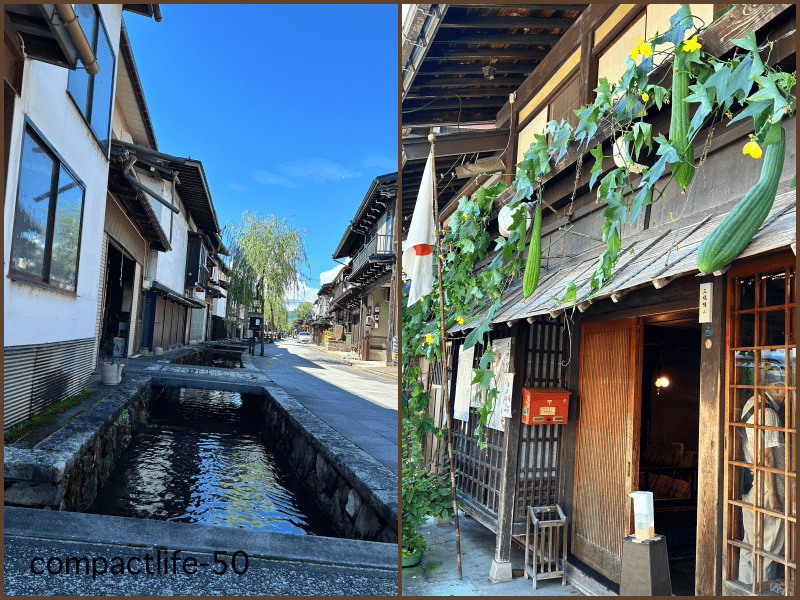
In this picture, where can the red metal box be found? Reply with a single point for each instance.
(545, 406)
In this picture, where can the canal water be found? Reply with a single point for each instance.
(201, 458)
(221, 360)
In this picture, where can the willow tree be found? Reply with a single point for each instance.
(242, 281)
(273, 255)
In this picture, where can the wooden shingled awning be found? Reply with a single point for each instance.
(660, 255)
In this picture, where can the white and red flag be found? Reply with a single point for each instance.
(420, 243)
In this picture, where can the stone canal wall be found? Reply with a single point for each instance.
(354, 489)
(65, 470)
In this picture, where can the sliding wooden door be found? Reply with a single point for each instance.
(606, 442)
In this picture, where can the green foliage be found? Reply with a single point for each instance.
(303, 310)
(267, 259)
(46, 417)
(424, 494)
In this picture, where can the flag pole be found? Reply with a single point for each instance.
(432, 140)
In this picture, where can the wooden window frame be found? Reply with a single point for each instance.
(58, 163)
(732, 545)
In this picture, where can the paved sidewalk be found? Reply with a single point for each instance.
(375, 367)
(360, 406)
(437, 574)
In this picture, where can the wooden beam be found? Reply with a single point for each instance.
(508, 22)
(529, 39)
(455, 103)
(660, 282)
(466, 93)
(435, 118)
(461, 82)
(456, 145)
(711, 440)
(564, 47)
(716, 40)
(584, 305)
(535, 6)
(500, 69)
(486, 53)
(481, 166)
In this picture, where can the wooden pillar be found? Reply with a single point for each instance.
(567, 458)
(501, 565)
(710, 501)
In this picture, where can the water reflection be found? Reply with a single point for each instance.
(201, 459)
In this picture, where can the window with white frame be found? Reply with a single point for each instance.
(93, 93)
(47, 220)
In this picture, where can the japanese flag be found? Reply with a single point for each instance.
(417, 259)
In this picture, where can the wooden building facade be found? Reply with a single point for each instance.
(686, 442)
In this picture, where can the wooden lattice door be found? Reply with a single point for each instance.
(606, 442)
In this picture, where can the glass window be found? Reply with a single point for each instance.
(47, 221)
(92, 93)
(760, 434)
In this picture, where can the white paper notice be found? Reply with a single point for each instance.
(501, 408)
(463, 384)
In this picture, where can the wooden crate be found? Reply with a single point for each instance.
(546, 544)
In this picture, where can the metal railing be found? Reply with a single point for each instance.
(379, 244)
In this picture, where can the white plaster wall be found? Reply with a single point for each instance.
(33, 315)
(168, 268)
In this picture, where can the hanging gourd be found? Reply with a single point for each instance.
(683, 170)
(731, 236)
(533, 267)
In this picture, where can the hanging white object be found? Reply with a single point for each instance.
(506, 218)
(622, 158)
(419, 245)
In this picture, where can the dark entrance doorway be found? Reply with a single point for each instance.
(668, 462)
(118, 300)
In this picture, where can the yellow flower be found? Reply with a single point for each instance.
(460, 320)
(645, 97)
(752, 148)
(429, 338)
(442, 257)
(447, 308)
(691, 45)
(641, 48)
(466, 216)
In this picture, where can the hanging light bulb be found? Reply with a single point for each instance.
(661, 380)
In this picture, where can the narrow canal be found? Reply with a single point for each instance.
(201, 458)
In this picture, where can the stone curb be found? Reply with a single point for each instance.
(198, 537)
(54, 456)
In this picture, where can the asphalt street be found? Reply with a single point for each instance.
(360, 406)
(260, 577)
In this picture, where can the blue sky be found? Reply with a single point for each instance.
(291, 109)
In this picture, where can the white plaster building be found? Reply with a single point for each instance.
(58, 127)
